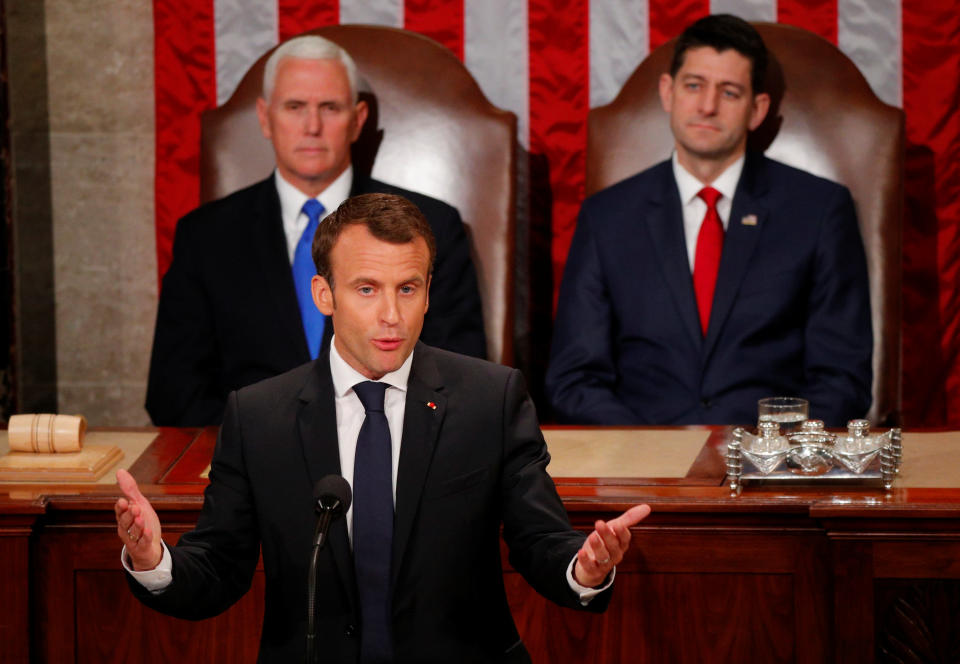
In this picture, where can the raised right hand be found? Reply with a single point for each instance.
(137, 525)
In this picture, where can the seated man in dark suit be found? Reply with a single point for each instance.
(441, 450)
(715, 278)
(235, 305)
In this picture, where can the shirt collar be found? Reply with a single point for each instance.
(292, 199)
(345, 376)
(689, 186)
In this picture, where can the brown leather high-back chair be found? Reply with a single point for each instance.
(824, 118)
(430, 130)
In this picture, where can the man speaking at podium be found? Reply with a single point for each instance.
(441, 450)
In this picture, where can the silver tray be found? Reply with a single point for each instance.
(835, 475)
(881, 470)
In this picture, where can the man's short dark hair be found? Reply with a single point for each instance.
(722, 32)
(388, 217)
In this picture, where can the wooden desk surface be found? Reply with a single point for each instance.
(171, 468)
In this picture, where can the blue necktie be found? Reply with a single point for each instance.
(373, 525)
(304, 269)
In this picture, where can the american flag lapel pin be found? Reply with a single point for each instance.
(749, 220)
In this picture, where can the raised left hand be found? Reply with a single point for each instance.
(605, 546)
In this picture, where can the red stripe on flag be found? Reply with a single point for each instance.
(668, 19)
(441, 20)
(296, 16)
(184, 86)
(817, 16)
(559, 101)
(931, 234)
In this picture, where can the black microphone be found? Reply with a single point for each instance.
(332, 498)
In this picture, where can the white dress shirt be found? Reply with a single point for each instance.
(292, 200)
(694, 207)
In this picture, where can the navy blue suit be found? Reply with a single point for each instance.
(472, 465)
(790, 316)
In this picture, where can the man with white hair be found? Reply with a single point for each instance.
(235, 305)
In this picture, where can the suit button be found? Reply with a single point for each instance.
(350, 630)
(706, 403)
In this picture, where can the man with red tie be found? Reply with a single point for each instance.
(717, 277)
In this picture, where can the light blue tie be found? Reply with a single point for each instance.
(304, 269)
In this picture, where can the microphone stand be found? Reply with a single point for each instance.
(327, 514)
(333, 496)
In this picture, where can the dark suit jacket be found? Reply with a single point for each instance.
(228, 313)
(790, 316)
(474, 462)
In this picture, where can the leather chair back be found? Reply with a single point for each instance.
(824, 118)
(430, 130)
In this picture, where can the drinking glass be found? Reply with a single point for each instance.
(789, 412)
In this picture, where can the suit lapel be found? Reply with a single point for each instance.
(665, 224)
(739, 244)
(271, 249)
(317, 426)
(423, 414)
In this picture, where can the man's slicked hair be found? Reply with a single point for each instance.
(388, 217)
(309, 47)
(722, 32)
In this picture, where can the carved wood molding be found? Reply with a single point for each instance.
(917, 621)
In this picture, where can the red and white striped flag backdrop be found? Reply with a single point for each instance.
(549, 61)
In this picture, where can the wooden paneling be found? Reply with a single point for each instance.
(936, 559)
(917, 621)
(84, 611)
(14, 598)
(18, 516)
(695, 594)
(138, 634)
(684, 617)
(853, 601)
